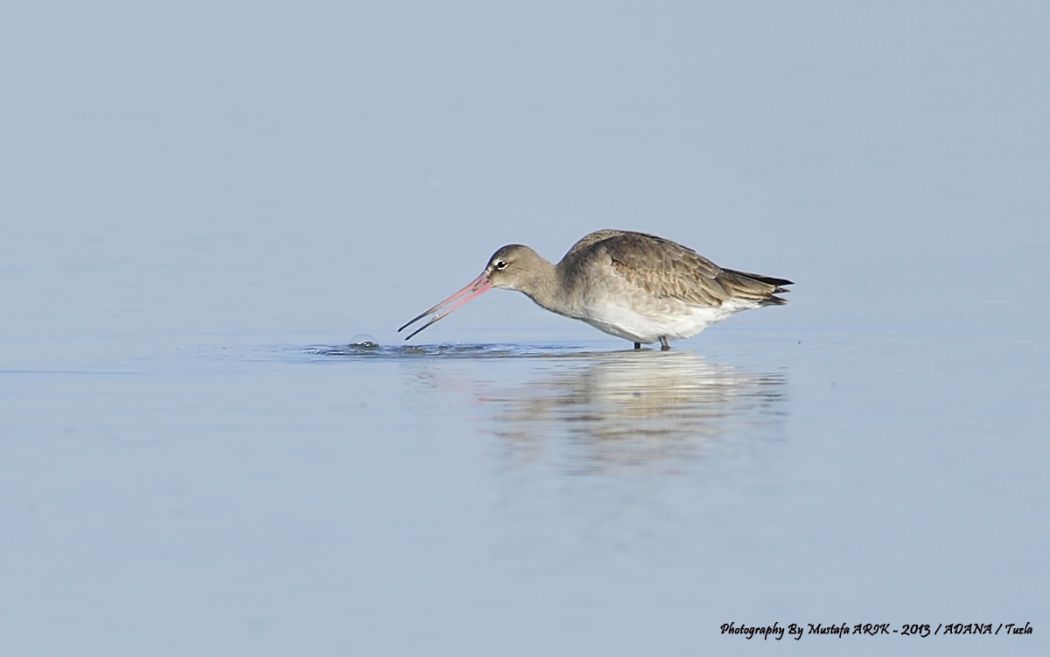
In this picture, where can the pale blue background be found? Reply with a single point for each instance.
(193, 196)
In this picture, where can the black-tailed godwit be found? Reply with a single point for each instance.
(635, 286)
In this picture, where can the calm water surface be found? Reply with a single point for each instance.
(502, 498)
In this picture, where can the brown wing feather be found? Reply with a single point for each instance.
(590, 239)
(667, 269)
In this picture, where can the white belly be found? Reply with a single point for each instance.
(675, 320)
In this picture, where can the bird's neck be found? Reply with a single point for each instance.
(544, 287)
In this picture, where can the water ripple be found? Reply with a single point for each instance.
(372, 350)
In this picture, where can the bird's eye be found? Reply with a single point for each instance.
(501, 264)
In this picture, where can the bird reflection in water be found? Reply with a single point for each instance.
(627, 409)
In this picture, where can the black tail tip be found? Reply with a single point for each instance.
(778, 282)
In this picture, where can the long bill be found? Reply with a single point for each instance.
(470, 291)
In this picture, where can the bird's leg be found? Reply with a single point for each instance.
(663, 344)
(637, 346)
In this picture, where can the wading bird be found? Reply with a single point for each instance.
(635, 286)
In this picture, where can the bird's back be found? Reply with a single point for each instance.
(663, 269)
